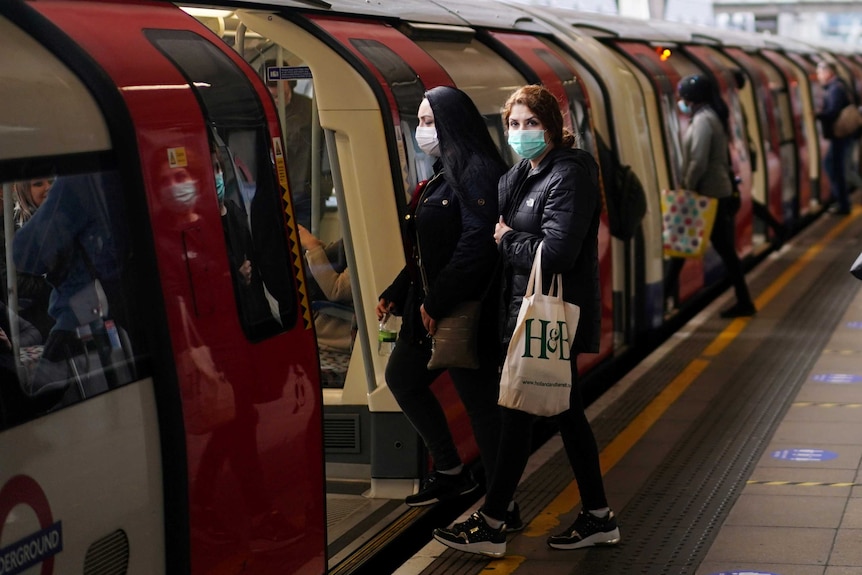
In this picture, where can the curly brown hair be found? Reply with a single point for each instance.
(546, 108)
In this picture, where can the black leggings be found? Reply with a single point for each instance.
(410, 382)
(515, 444)
(723, 239)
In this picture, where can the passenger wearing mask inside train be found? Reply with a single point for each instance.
(706, 170)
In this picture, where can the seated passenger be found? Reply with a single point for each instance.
(15, 407)
(328, 281)
(76, 241)
(33, 290)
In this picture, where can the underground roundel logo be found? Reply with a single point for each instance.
(38, 547)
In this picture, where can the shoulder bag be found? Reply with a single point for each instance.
(455, 343)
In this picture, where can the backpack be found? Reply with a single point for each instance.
(626, 202)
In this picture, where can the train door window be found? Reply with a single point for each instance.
(310, 181)
(408, 92)
(666, 95)
(578, 107)
(483, 75)
(250, 204)
(71, 322)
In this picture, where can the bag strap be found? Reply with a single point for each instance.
(534, 284)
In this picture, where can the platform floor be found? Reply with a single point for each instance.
(735, 448)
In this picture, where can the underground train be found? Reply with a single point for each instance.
(194, 417)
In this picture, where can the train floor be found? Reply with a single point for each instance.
(734, 448)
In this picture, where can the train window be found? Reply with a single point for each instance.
(401, 78)
(251, 202)
(477, 70)
(70, 326)
(578, 110)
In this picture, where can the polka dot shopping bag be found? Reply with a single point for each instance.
(687, 222)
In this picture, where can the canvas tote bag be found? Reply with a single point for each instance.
(537, 376)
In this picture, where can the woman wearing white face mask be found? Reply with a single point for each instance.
(451, 221)
(551, 196)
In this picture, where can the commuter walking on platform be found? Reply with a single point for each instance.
(450, 222)
(552, 196)
(836, 98)
(706, 170)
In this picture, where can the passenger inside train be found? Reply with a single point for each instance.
(332, 304)
(33, 290)
(76, 242)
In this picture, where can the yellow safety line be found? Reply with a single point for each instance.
(504, 566)
(548, 518)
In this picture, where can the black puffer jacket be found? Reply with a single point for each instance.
(455, 234)
(558, 203)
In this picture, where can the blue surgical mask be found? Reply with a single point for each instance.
(219, 181)
(528, 144)
(684, 107)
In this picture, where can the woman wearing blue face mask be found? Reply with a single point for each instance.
(706, 170)
(551, 196)
(451, 259)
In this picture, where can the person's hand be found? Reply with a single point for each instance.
(245, 272)
(384, 308)
(307, 239)
(500, 230)
(429, 322)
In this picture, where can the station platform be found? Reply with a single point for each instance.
(734, 448)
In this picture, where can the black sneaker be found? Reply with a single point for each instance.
(441, 487)
(587, 531)
(513, 520)
(739, 310)
(474, 536)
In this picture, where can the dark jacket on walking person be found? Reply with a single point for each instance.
(551, 197)
(449, 233)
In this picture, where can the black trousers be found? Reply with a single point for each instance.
(723, 238)
(515, 444)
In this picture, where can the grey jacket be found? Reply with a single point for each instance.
(705, 163)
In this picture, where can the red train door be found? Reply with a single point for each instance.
(247, 482)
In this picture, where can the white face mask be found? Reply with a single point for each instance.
(184, 192)
(427, 139)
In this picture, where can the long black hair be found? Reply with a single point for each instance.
(466, 149)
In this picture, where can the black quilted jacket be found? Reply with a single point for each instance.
(558, 203)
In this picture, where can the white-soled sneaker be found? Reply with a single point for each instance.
(474, 536)
(587, 531)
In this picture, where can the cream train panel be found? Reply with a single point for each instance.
(81, 462)
(46, 110)
(348, 107)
